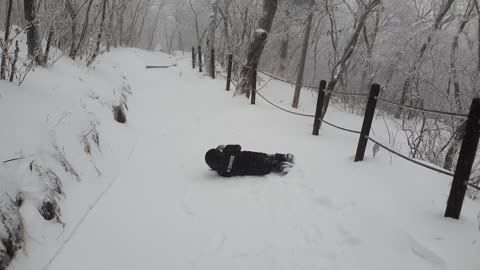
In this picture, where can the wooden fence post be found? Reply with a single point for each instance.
(254, 84)
(199, 58)
(193, 57)
(367, 122)
(330, 87)
(212, 63)
(229, 71)
(318, 111)
(465, 162)
(14, 63)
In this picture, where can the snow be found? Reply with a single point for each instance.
(166, 210)
(260, 31)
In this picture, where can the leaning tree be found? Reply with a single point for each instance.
(256, 46)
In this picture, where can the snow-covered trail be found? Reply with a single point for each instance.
(168, 211)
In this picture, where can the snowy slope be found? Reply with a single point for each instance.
(60, 145)
(166, 210)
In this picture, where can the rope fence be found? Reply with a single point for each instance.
(422, 110)
(461, 177)
(308, 115)
(345, 94)
(364, 95)
(410, 159)
(442, 171)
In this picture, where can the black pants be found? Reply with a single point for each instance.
(277, 162)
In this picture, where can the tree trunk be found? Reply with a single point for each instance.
(196, 23)
(211, 37)
(33, 37)
(121, 21)
(284, 44)
(368, 71)
(453, 56)
(284, 53)
(6, 41)
(18, 13)
(256, 46)
(84, 28)
(152, 37)
(73, 33)
(133, 24)
(226, 31)
(339, 67)
(478, 39)
(14, 63)
(100, 33)
(180, 41)
(303, 57)
(49, 44)
(143, 22)
(454, 146)
(110, 25)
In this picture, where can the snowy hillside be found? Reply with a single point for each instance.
(61, 147)
(167, 210)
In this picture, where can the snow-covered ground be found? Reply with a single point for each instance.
(167, 210)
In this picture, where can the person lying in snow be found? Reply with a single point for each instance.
(230, 161)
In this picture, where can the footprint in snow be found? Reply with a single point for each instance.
(426, 254)
(216, 242)
(186, 206)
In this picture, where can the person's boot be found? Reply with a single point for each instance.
(290, 158)
(285, 168)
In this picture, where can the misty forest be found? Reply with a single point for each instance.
(423, 54)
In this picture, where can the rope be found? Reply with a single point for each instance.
(280, 108)
(339, 127)
(410, 159)
(442, 171)
(283, 80)
(345, 94)
(308, 115)
(422, 110)
(278, 78)
(473, 186)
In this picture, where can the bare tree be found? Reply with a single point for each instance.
(147, 7)
(339, 68)
(212, 26)
(100, 33)
(110, 32)
(5, 43)
(75, 46)
(131, 30)
(415, 68)
(152, 35)
(33, 37)
(256, 46)
(303, 56)
(463, 20)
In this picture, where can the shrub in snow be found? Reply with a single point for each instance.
(50, 210)
(48, 206)
(12, 232)
(119, 114)
(62, 159)
(4, 257)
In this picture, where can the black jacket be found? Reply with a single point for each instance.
(237, 162)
